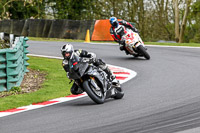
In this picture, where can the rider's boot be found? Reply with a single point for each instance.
(114, 80)
(111, 76)
(121, 47)
(75, 90)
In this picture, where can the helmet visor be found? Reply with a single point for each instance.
(115, 24)
(67, 55)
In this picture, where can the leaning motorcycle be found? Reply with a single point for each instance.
(93, 81)
(134, 44)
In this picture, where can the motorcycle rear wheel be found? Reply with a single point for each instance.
(143, 51)
(119, 93)
(92, 94)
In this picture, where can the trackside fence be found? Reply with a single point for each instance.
(13, 64)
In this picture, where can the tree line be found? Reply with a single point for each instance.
(176, 20)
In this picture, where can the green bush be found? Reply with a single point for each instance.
(3, 45)
(196, 38)
(16, 89)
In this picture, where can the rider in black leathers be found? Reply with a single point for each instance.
(68, 53)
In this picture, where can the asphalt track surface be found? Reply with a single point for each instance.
(164, 97)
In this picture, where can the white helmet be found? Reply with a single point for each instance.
(67, 51)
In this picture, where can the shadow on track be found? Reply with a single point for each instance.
(85, 102)
(132, 58)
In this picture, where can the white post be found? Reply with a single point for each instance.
(11, 40)
(1, 35)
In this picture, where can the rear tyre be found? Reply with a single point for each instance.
(142, 50)
(119, 93)
(96, 95)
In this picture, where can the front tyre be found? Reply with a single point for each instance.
(143, 52)
(96, 95)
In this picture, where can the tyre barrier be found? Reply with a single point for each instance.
(13, 64)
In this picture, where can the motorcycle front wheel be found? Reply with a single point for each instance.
(95, 94)
(143, 52)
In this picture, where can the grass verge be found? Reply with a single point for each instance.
(56, 85)
(173, 44)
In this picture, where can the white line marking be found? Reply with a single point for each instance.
(193, 130)
(53, 57)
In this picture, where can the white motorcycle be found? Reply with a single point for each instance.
(134, 44)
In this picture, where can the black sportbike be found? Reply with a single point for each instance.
(93, 80)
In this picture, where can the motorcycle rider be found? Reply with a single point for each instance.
(69, 53)
(118, 29)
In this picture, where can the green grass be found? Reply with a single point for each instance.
(56, 85)
(173, 44)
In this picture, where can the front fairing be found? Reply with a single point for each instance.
(130, 37)
(132, 41)
(93, 71)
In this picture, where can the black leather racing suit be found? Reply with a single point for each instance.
(97, 62)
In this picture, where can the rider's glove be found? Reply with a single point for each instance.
(67, 74)
(135, 30)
